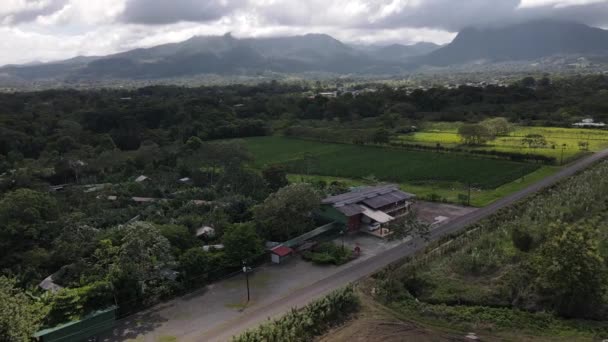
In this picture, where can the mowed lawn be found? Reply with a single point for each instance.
(386, 164)
(568, 138)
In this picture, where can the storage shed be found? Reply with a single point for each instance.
(280, 253)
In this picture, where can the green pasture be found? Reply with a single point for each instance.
(444, 191)
(558, 139)
(384, 164)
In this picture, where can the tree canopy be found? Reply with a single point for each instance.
(287, 212)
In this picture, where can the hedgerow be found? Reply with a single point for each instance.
(306, 323)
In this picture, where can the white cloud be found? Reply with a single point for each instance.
(57, 29)
(558, 3)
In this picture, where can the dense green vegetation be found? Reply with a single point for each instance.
(539, 265)
(388, 164)
(310, 321)
(74, 204)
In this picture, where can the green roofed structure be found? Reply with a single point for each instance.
(89, 326)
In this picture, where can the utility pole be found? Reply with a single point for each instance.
(469, 196)
(246, 270)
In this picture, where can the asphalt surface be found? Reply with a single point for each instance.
(307, 294)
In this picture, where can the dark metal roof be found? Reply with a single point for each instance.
(374, 197)
(350, 209)
(383, 200)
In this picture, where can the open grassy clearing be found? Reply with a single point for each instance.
(386, 164)
(446, 134)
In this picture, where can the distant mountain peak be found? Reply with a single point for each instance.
(523, 41)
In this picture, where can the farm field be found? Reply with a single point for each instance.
(445, 191)
(446, 134)
(385, 164)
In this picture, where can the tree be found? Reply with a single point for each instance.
(381, 136)
(195, 265)
(522, 239)
(242, 244)
(528, 82)
(572, 272)
(275, 176)
(474, 134)
(25, 223)
(287, 212)
(179, 236)
(497, 126)
(20, 316)
(534, 141)
(194, 143)
(65, 144)
(144, 251)
(408, 225)
(143, 257)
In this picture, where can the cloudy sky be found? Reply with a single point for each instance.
(45, 30)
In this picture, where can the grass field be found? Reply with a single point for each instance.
(386, 164)
(446, 191)
(446, 134)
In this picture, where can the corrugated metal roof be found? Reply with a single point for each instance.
(376, 215)
(374, 197)
(350, 209)
(282, 250)
(361, 194)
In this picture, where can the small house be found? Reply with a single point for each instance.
(279, 253)
(205, 232)
(48, 284)
(141, 179)
(589, 123)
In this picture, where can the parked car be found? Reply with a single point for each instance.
(373, 226)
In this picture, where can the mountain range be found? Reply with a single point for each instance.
(227, 55)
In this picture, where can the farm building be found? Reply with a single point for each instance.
(367, 208)
(587, 123)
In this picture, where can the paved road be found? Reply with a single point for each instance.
(304, 295)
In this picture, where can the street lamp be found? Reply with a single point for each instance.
(246, 270)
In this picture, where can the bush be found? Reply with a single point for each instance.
(328, 253)
(477, 261)
(522, 240)
(312, 320)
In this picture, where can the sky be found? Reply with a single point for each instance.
(47, 30)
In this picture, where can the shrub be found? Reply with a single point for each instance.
(312, 320)
(522, 240)
(328, 253)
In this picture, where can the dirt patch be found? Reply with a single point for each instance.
(375, 322)
(440, 213)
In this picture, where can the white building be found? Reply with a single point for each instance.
(589, 123)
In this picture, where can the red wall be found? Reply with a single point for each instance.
(354, 223)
